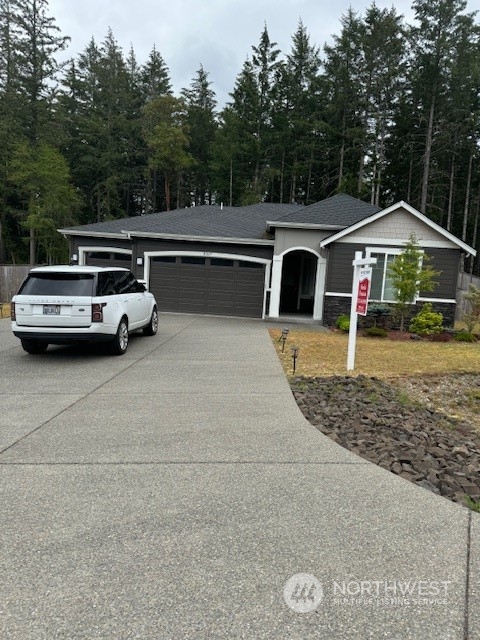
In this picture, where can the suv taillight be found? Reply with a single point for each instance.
(97, 311)
(12, 311)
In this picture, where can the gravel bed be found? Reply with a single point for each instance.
(390, 426)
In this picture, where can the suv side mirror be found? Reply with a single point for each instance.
(141, 287)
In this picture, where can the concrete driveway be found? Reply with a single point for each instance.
(173, 492)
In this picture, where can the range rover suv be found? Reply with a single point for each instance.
(68, 305)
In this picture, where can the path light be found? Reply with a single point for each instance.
(295, 351)
(283, 337)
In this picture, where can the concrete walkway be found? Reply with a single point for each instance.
(171, 493)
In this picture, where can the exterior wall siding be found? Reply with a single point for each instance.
(152, 244)
(288, 238)
(86, 241)
(399, 224)
(339, 266)
(340, 271)
(140, 245)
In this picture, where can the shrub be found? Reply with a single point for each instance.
(379, 313)
(465, 336)
(343, 322)
(375, 332)
(427, 321)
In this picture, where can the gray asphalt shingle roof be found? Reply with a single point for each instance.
(341, 210)
(249, 222)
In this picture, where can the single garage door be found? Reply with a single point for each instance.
(108, 259)
(191, 284)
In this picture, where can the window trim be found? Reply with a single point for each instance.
(395, 251)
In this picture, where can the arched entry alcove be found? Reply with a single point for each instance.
(297, 294)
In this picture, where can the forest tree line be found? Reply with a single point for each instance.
(386, 111)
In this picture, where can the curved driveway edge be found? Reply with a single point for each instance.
(173, 492)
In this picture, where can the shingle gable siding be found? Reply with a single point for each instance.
(398, 225)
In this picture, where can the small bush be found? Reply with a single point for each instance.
(375, 332)
(379, 313)
(427, 322)
(465, 336)
(343, 322)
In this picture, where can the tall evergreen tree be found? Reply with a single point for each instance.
(434, 40)
(201, 123)
(164, 130)
(155, 77)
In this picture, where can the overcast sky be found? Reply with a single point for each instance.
(218, 34)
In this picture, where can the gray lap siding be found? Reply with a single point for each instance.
(148, 244)
(340, 270)
(340, 274)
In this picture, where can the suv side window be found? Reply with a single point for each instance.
(106, 284)
(125, 282)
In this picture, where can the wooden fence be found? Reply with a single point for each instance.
(464, 282)
(11, 277)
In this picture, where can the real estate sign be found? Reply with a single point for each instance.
(363, 291)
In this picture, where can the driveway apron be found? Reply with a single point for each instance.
(177, 492)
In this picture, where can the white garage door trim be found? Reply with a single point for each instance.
(148, 255)
(82, 252)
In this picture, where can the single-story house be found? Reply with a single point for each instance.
(268, 260)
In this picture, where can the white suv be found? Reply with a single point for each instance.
(68, 305)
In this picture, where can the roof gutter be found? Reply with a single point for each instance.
(172, 236)
(304, 225)
(95, 234)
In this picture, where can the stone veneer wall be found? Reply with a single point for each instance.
(335, 306)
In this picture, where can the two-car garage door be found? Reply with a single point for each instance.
(196, 284)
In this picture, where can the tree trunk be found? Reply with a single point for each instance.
(282, 171)
(167, 191)
(427, 157)
(179, 184)
(467, 197)
(450, 194)
(32, 247)
(2, 244)
(294, 183)
(475, 232)
(410, 176)
(309, 178)
(361, 169)
(342, 156)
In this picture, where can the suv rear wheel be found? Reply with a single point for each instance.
(119, 344)
(152, 327)
(34, 346)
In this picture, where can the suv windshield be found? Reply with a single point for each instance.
(58, 284)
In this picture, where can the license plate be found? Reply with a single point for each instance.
(51, 309)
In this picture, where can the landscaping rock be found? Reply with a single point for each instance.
(369, 417)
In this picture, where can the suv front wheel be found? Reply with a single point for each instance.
(119, 344)
(152, 327)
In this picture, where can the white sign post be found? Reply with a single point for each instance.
(362, 279)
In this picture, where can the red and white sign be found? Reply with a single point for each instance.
(363, 292)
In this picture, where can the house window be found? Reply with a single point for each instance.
(381, 288)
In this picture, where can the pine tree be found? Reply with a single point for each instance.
(409, 274)
(155, 77)
(434, 41)
(201, 123)
(164, 130)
